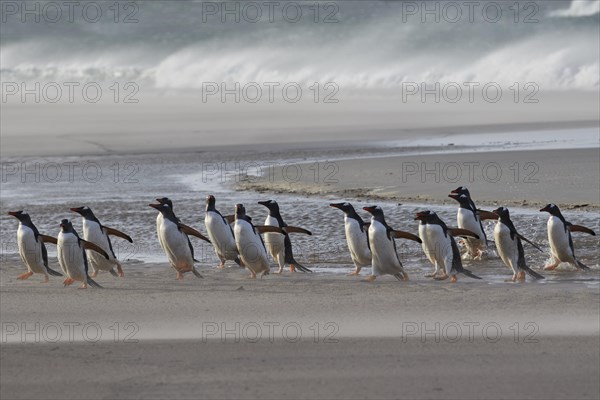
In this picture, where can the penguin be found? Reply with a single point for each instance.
(32, 248)
(280, 246)
(220, 234)
(95, 232)
(384, 257)
(510, 248)
(71, 250)
(357, 236)
(173, 236)
(559, 238)
(440, 247)
(469, 217)
(250, 244)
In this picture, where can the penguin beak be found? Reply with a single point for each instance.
(369, 209)
(155, 206)
(546, 208)
(419, 216)
(14, 213)
(264, 203)
(336, 205)
(453, 195)
(455, 191)
(77, 210)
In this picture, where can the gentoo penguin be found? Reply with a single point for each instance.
(440, 247)
(95, 232)
(385, 259)
(173, 237)
(559, 237)
(32, 248)
(510, 248)
(71, 250)
(469, 217)
(357, 236)
(250, 244)
(220, 233)
(280, 246)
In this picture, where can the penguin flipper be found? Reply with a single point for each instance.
(462, 232)
(188, 230)
(113, 273)
(92, 246)
(581, 265)
(93, 283)
(295, 229)
(483, 215)
(53, 272)
(406, 235)
(579, 228)
(269, 229)
(48, 239)
(198, 275)
(457, 262)
(529, 241)
(115, 232)
(230, 219)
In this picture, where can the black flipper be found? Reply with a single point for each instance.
(93, 283)
(198, 275)
(113, 272)
(238, 261)
(457, 262)
(289, 255)
(581, 265)
(522, 264)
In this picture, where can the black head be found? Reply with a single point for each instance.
(502, 213)
(345, 207)
(271, 205)
(21, 215)
(240, 211)
(552, 209)
(66, 225)
(210, 202)
(426, 217)
(165, 200)
(461, 190)
(84, 211)
(375, 211)
(163, 208)
(463, 199)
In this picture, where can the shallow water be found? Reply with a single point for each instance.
(119, 190)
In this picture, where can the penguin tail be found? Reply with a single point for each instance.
(581, 265)
(53, 272)
(469, 274)
(198, 275)
(93, 283)
(238, 262)
(533, 274)
(114, 273)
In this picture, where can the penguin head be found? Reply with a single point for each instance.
(21, 215)
(165, 200)
(461, 190)
(552, 209)
(163, 208)
(463, 199)
(345, 207)
(84, 211)
(271, 205)
(240, 211)
(426, 216)
(375, 211)
(210, 202)
(66, 225)
(502, 213)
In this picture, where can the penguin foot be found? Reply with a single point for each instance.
(521, 276)
(24, 276)
(453, 279)
(431, 275)
(292, 268)
(46, 279)
(68, 281)
(120, 271)
(221, 266)
(252, 276)
(370, 278)
(179, 276)
(279, 271)
(550, 267)
(440, 277)
(354, 273)
(94, 274)
(84, 286)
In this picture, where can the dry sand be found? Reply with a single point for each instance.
(372, 339)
